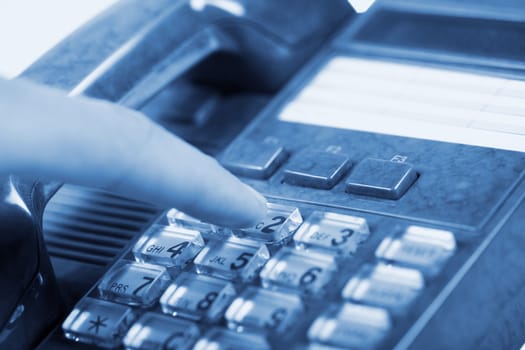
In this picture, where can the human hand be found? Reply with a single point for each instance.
(94, 143)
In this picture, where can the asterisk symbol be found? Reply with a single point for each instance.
(96, 324)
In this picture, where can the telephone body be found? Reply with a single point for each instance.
(422, 241)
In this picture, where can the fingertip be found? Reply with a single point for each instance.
(253, 209)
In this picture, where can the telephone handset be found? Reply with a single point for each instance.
(127, 55)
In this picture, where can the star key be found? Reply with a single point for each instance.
(99, 322)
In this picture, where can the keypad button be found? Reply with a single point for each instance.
(279, 224)
(392, 287)
(197, 297)
(169, 246)
(332, 232)
(155, 331)
(254, 159)
(381, 178)
(98, 322)
(134, 283)
(208, 231)
(309, 272)
(423, 248)
(351, 326)
(234, 259)
(264, 310)
(223, 339)
(316, 169)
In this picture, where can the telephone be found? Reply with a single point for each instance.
(390, 148)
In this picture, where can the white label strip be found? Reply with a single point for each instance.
(412, 101)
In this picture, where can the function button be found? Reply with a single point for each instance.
(98, 322)
(316, 169)
(254, 159)
(223, 339)
(279, 224)
(423, 248)
(351, 326)
(155, 331)
(381, 178)
(197, 297)
(392, 287)
(308, 272)
(170, 246)
(334, 232)
(134, 283)
(178, 218)
(233, 258)
(264, 310)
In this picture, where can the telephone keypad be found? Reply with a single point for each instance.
(224, 339)
(233, 259)
(197, 297)
(170, 246)
(388, 286)
(264, 310)
(98, 322)
(154, 331)
(332, 232)
(261, 289)
(316, 169)
(419, 247)
(278, 226)
(381, 178)
(306, 272)
(134, 283)
(351, 326)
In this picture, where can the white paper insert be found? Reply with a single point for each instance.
(413, 101)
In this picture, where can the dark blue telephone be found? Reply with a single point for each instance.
(390, 146)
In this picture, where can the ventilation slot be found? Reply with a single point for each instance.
(91, 226)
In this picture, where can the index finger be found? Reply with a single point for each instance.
(98, 144)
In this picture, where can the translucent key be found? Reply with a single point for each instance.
(224, 339)
(234, 259)
(170, 246)
(264, 310)
(134, 283)
(208, 231)
(98, 322)
(280, 223)
(392, 287)
(159, 332)
(331, 231)
(309, 272)
(419, 247)
(350, 326)
(197, 297)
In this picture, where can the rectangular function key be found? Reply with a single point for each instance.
(332, 232)
(264, 310)
(134, 283)
(234, 259)
(350, 326)
(169, 246)
(280, 223)
(422, 248)
(316, 169)
(308, 272)
(381, 178)
(98, 322)
(253, 159)
(197, 297)
(156, 331)
(392, 287)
